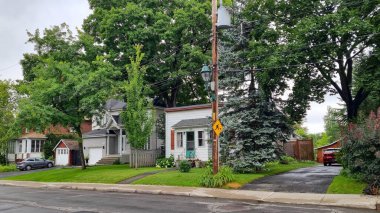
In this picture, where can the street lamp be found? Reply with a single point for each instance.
(206, 73)
(224, 21)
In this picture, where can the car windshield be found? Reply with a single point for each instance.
(29, 159)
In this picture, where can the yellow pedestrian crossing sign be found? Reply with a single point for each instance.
(217, 127)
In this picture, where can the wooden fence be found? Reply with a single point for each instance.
(143, 158)
(300, 149)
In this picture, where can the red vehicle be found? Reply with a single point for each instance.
(329, 156)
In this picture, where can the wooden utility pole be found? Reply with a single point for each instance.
(215, 76)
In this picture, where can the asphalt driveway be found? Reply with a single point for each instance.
(15, 173)
(306, 180)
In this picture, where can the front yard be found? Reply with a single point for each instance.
(345, 185)
(8, 168)
(95, 174)
(176, 178)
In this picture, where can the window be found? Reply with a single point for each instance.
(20, 146)
(179, 139)
(33, 146)
(200, 138)
(37, 145)
(11, 147)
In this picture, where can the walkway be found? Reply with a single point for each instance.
(306, 180)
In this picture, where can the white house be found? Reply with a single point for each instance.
(29, 145)
(107, 141)
(188, 132)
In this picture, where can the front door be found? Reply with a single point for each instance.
(190, 149)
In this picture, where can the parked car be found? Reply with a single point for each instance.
(34, 163)
(330, 155)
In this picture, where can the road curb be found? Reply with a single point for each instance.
(347, 201)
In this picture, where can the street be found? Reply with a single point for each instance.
(18, 199)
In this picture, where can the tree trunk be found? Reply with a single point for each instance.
(80, 141)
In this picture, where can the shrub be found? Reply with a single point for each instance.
(361, 152)
(223, 177)
(184, 166)
(165, 162)
(8, 168)
(286, 159)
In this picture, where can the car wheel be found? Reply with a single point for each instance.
(49, 165)
(325, 164)
(28, 168)
(329, 164)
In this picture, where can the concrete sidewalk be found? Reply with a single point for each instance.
(351, 201)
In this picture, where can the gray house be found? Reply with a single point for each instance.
(108, 142)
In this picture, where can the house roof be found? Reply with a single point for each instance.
(113, 104)
(198, 122)
(32, 135)
(321, 147)
(184, 108)
(98, 133)
(71, 144)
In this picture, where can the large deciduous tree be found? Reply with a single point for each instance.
(319, 45)
(7, 118)
(139, 115)
(176, 42)
(67, 82)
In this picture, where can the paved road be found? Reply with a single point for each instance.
(20, 200)
(306, 180)
(15, 173)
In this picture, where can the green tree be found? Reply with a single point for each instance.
(317, 44)
(324, 140)
(176, 42)
(139, 115)
(69, 83)
(7, 118)
(334, 122)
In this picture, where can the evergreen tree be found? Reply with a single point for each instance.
(253, 124)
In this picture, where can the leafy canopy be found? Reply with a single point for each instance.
(138, 117)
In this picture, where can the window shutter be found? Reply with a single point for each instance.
(172, 139)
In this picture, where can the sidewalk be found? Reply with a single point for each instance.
(351, 201)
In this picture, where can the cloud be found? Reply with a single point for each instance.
(314, 119)
(19, 16)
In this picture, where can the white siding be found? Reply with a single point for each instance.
(94, 143)
(175, 117)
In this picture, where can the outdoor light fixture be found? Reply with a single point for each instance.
(206, 73)
(224, 17)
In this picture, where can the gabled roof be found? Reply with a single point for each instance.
(71, 144)
(198, 122)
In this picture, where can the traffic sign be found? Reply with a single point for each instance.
(217, 127)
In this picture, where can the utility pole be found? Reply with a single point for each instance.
(215, 76)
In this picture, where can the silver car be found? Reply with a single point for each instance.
(34, 163)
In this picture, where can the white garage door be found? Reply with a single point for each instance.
(62, 157)
(95, 154)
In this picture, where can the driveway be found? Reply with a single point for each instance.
(15, 173)
(306, 180)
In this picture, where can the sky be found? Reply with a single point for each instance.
(19, 16)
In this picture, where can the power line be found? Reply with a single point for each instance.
(5, 68)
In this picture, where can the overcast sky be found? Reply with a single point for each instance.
(19, 16)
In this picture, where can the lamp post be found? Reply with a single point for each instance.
(220, 18)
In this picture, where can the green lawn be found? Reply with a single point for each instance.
(9, 168)
(95, 174)
(345, 185)
(176, 178)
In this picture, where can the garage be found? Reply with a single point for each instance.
(67, 153)
(62, 156)
(95, 154)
